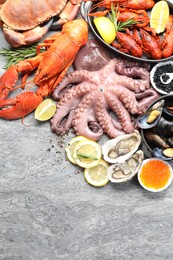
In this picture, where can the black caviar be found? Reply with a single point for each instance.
(167, 68)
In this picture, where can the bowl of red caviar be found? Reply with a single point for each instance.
(155, 174)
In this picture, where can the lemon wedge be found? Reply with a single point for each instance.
(97, 175)
(71, 146)
(159, 16)
(87, 153)
(106, 28)
(45, 110)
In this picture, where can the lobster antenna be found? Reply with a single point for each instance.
(22, 86)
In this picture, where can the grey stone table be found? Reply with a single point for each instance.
(49, 212)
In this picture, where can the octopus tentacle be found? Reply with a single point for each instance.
(85, 122)
(128, 63)
(123, 115)
(62, 120)
(146, 98)
(134, 78)
(72, 78)
(108, 124)
(128, 98)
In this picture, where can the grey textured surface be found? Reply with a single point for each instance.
(48, 211)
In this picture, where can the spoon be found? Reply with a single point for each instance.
(166, 78)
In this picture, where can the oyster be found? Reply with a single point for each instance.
(122, 172)
(121, 148)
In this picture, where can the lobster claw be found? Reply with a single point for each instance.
(19, 106)
(7, 81)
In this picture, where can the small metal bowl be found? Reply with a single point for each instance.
(161, 77)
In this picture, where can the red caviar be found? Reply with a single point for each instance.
(155, 174)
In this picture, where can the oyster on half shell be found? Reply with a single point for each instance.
(119, 149)
(122, 172)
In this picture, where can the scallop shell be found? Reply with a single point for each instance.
(122, 172)
(119, 149)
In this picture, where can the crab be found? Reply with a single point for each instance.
(26, 22)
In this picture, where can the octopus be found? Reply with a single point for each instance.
(100, 102)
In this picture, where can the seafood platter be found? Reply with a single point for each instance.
(97, 91)
(128, 42)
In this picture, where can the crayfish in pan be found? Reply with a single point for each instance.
(145, 40)
(51, 67)
(26, 22)
(132, 4)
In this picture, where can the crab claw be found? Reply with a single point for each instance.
(19, 106)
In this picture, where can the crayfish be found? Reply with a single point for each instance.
(50, 67)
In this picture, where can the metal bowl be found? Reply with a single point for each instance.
(159, 70)
(85, 10)
(168, 100)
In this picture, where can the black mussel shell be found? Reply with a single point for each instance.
(164, 127)
(154, 140)
(158, 152)
(170, 141)
(168, 110)
(144, 121)
(151, 117)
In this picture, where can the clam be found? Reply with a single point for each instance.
(119, 149)
(122, 172)
(152, 116)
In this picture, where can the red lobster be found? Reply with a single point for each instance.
(51, 67)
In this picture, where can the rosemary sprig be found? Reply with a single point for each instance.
(120, 26)
(86, 156)
(15, 55)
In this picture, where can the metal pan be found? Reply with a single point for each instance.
(85, 10)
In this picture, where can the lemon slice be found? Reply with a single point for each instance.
(106, 28)
(87, 153)
(71, 146)
(45, 110)
(97, 175)
(159, 16)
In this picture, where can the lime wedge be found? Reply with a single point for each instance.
(45, 110)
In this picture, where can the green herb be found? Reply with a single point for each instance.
(120, 26)
(15, 55)
(86, 156)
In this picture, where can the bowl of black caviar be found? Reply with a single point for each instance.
(161, 77)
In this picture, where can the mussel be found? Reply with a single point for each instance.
(156, 140)
(168, 110)
(164, 154)
(164, 127)
(152, 116)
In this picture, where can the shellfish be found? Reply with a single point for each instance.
(122, 172)
(119, 149)
(152, 116)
